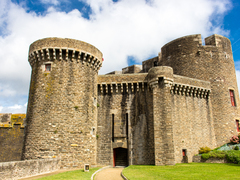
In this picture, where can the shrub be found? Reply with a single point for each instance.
(234, 140)
(233, 156)
(204, 150)
(214, 154)
(217, 154)
(236, 148)
(205, 156)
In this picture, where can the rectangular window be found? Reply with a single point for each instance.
(237, 124)
(232, 97)
(47, 67)
(112, 127)
(127, 125)
(184, 152)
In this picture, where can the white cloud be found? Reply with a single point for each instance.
(54, 2)
(16, 108)
(127, 28)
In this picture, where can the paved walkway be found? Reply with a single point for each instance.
(109, 174)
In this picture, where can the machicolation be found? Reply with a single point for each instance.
(155, 113)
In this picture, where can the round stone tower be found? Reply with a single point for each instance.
(62, 105)
(212, 62)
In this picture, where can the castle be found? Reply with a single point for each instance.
(160, 112)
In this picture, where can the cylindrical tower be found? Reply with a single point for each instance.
(212, 62)
(62, 105)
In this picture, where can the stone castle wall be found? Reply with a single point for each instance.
(62, 108)
(212, 62)
(179, 100)
(11, 136)
(22, 169)
(121, 96)
(192, 117)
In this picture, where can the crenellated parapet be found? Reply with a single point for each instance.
(128, 83)
(188, 90)
(120, 87)
(65, 54)
(51, 49)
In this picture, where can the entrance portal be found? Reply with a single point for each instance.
(120, 157)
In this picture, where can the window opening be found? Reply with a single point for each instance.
(112, 127)
(237, 124)
(127, 125)
(47, 67)
(155, 63)
(184, 152)
(232, 97)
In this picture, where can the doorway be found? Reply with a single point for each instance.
(120, 157)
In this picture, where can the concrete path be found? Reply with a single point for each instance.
(109, 174)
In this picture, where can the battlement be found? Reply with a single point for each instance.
(51, 49)
(8, 120)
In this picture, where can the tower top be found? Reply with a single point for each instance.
(59, 48)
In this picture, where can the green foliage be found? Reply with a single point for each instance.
(55, 132)
(205, 156)
(98, 105)
(236, 148)
(204, 150)
(97, 136)
(214, 154)
(233, 156)
(76, 107)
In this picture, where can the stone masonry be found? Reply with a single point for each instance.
(160, 112)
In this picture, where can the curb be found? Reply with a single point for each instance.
(123, 176)
(98, 171)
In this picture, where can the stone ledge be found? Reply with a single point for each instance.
(20, 169)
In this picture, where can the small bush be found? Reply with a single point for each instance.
(214, 154)
(217, 154)
(234, 140)
(205, 156)
(204, 150)
(236, 148)
(233, 156)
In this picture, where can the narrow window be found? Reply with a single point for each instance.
(232, 97)
(112, 127)
(184, 152)
(127, 125)
(47, 67)
(155, 63)
(237, 124)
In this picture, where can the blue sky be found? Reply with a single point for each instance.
(126, 31)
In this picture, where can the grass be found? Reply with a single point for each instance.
(72, 175)
(186, 171)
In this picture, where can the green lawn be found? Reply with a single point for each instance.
(191, 171)
(72, 175)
